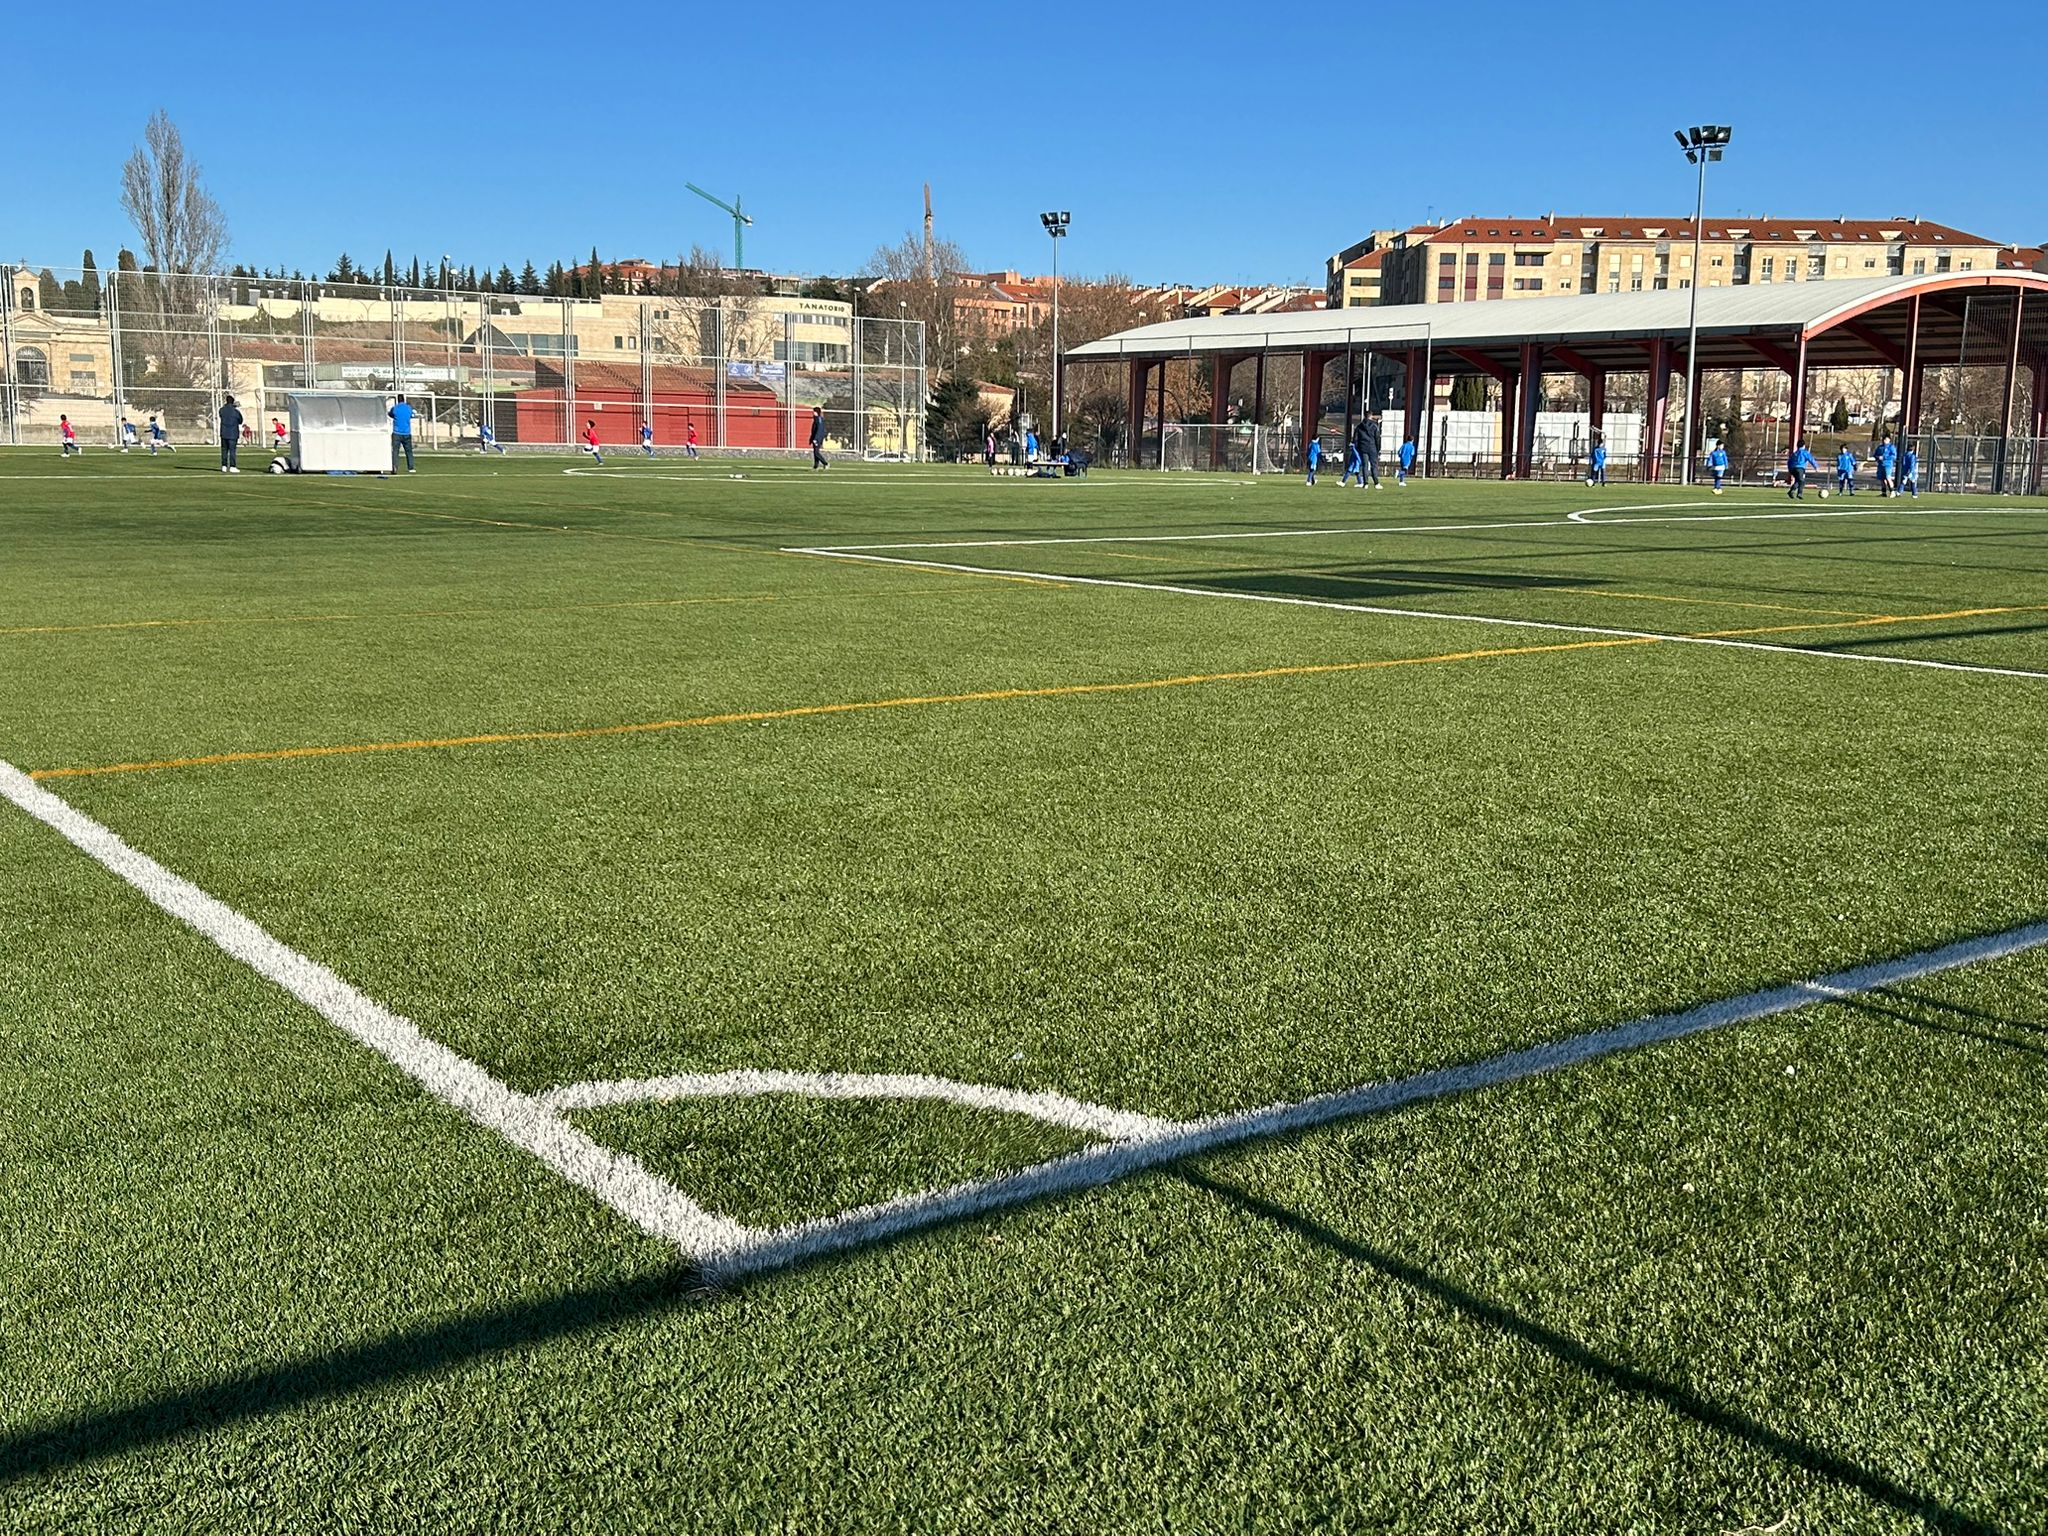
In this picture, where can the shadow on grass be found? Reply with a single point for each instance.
(1869, 1004)
(1946, 1006)
(1609, 1373)
(403, 1356)
(1357, 583)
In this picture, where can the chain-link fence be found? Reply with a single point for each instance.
(2000, 466)
(738, 373)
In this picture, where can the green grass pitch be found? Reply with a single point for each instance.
(603, 777)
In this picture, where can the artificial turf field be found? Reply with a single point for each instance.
(1202, 816)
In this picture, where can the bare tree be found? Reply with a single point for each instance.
(898, 288)
(183, 229)
(184, 236)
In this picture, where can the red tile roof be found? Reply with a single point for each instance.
(1636, 227)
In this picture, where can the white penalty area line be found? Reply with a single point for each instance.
(723, 1249)
(1585, 517)
(1379, 611)
(1097, 1166)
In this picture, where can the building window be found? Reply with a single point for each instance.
(1965, 264)
(1528, 285)
(1614, 285)
(1717, 261)
(1528, 258)
(84, 382)
(31, 368)
(1635, 284)
(1919, 265)
(1770, 268)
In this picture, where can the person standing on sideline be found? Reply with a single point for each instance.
(230, 436)
(647, 438)
(1717, 462)
(1909, 475)
(156, 437)
(988, 448)
(690, 439)
(1315, 457)
(1887, 467)
(1369, 455)
(817, 437)
(1406, 466)
(1797, 463)
(1598, 476)
(401, 433)
(70, 434)
(590, 440)
(1031, 445)
(1845, 471)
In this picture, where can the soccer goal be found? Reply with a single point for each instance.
(339, 431)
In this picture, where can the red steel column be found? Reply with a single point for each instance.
(1660, 402)
(1313, 363)
(1162, 411)
(1596, 405)
(1798, 423)
(1532, 401)
(1134, 411)
(1219, 387)
(2010, 393)
(1909, 412)
(1507, 425)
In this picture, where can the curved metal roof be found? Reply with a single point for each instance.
(1786, 310)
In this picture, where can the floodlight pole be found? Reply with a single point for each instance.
(1056, 226)
(1703, 145)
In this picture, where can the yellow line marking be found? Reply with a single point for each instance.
(1067, 690)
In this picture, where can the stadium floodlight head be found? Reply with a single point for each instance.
(1055, 223)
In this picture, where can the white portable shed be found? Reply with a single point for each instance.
(340, 431)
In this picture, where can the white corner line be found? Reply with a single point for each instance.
(1097, 1166)
(648, 1201)
(1129, 584)
(1052, 1108)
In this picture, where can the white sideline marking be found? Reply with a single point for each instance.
(649, 1202)
(1097, 1166)
(1053, 1108)
(1583, 518)
(1427, 613)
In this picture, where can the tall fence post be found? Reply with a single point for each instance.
(8, 391)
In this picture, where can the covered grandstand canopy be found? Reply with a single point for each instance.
(1912, 323)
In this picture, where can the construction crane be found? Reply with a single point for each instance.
(739, 221)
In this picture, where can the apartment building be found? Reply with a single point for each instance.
(1474, 259)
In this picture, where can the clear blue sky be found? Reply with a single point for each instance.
(1199, 142)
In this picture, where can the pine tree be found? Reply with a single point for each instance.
(344, 270)
(390, 271)
(89, 282)
(594, 286)
(49, 292)
(1838, 418)
(506, 281)
(529, 280)
(557, 281)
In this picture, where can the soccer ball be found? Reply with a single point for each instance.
(1823, 493)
